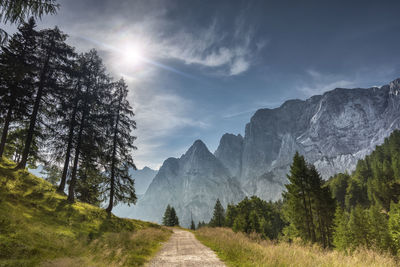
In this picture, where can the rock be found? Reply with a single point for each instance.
(333, 131)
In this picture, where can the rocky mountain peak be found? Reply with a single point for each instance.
(332, 131)
(197, 150)
(229, 152)
(395, 87)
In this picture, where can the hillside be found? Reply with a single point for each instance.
(38, 227)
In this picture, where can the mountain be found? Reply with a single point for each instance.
(191, 184)
(333, 131)
(229, 152)
(143, 179)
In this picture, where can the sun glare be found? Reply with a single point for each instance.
(132, 54)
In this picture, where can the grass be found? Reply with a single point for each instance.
(39, 228)
(238, 249)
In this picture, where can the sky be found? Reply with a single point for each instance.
(199, 69)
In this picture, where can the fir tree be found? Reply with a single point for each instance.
(90, 140)
(170, 218)
(12, 11)
(167, 216)
(218, 219)
(192, 225)
(17, 67)
(309, 206)
(174, 221)
(296, 199)
(122, 124)
(52, 54)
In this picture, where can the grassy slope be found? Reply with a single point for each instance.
(38, 227)
(237, 249)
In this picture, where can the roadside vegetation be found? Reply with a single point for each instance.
(39, 227)
(240, 249)
(350, 214)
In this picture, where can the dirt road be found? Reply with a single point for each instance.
(183, 249)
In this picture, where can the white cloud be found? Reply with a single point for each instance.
(239, 65)
(208, 48)
(159, 113)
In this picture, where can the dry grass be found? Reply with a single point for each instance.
(237, 249)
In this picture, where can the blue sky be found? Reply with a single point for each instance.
(201, 68)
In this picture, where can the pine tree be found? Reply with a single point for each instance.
(309, 206)
(231, 214)
(167, 216)
(170, 218)
(52, 54)
(91, 138)
(296, 199)
(394, 225)
(12, 11)
(218, 219)
(174, 221)
(359, 228)
(65, 125)
(17, 67)
(323, 207)
(89, 186)
(341, 233)
(192, 225)
(121, 184)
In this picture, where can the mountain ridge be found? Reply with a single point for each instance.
(332, 131)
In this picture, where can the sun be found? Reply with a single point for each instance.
(132, 54)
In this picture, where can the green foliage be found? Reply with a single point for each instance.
(218, 219)
(308, 205)
(16, 11)
(341, 235)
(37, 225)
(394, 226)
(338, 185)
(192, 225)
(170, 218)
(256, 215)
(89, 185)
(370, 216)
(52, 173)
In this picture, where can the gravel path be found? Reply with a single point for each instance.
(183, 249)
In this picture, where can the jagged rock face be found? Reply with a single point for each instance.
(229, 152)
(143, 178)
(332, 131)
(191, 184)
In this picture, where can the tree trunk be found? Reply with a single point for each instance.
(5, 128)
(313, 237)
(306, 211)
(112, 180)
(32, 123)
(61, 187)
(31, 130)
(71, 193)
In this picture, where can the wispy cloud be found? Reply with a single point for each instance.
(318, 83)
(211, 47)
